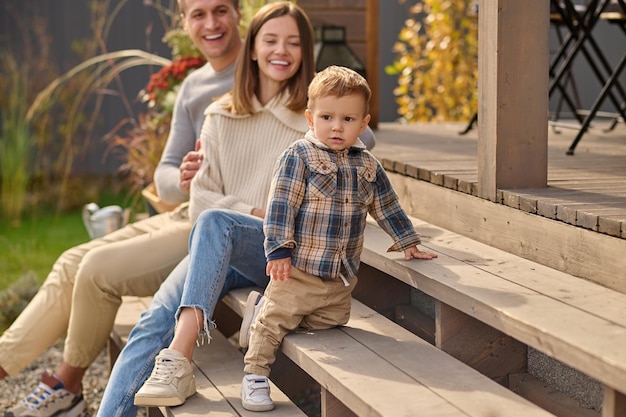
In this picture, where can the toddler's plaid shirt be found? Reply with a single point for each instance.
(318, 204)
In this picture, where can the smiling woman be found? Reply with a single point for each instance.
(242, 136)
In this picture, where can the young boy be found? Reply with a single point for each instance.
(323, 188)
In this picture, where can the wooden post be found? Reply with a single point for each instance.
(478, 345)
(614, 403)
(371, 62)
(513, 95)
(332, 407)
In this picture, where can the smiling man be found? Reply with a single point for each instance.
(83, 291)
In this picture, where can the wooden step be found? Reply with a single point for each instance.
(374, 367)
(575, 321)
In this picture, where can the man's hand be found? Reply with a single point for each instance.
(190, 166)
(279, 269)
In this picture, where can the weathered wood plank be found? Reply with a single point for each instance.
(591, 255)
(439, 384)
(335, 359)
(589, 217)
(590, 176)
(552, 400)
(127, 315)
(468, 390)
(579, 293)
(612, 224)
(568, 212)
(478, 345)
(553, 325)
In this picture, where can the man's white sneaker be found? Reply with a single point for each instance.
(253, 305)
(171, 382)
(49, 399)
(255, 393)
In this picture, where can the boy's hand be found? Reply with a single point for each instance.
(278, 269)
(414, 253)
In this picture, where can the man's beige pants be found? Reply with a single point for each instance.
(82, 293)
(303, 300)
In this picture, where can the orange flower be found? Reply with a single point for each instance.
(168, 78)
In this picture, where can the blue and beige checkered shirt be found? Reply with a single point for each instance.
(318, 204)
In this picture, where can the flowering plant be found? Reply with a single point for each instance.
(160, 94)
(143, 143)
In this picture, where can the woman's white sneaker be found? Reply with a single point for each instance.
(171, 382)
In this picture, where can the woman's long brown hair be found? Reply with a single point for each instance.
(247, 70)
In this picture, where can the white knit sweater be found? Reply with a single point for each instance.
(240, 153)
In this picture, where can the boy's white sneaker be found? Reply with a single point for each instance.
(255, 393)
(171, 382)
(253, 305)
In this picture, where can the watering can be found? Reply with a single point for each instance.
(100, 221)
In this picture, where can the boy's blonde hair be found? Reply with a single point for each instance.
(339, 81)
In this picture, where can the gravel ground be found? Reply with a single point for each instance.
(15, 388)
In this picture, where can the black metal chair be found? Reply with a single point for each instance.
(563, 17)
(614, 12)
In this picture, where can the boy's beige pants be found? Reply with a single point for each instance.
(303, 300)
(89, 281)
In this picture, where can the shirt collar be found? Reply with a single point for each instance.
(310, 136)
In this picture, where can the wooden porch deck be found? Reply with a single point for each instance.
(577, 224)
(587, 189)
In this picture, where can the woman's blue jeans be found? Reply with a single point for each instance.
(225, 252)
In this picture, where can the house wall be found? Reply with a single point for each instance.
(65, 23)
(137, 26)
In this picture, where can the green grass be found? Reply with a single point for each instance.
(28, 251)
(36, 244)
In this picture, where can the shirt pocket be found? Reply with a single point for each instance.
(366, 178)
(323, 179)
